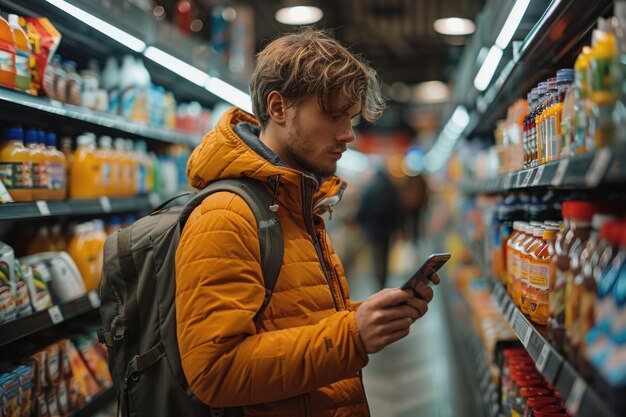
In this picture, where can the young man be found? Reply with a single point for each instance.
(306, 356)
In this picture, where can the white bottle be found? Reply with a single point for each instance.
(111, 83)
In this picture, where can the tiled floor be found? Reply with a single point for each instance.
(421, 375)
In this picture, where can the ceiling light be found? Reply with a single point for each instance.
(511, 24)
(431, 92)
(485, 74)
(177, 66)
(299, 15)
(111, 31)
(454, 26)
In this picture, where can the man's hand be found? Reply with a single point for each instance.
(386, 316)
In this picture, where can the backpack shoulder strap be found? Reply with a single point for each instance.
(270, 234)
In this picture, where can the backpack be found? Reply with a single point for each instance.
(138, 308)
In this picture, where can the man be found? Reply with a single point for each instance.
(306, 356)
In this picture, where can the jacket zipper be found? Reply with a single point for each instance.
(307, 204)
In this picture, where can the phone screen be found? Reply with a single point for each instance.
(424, 272)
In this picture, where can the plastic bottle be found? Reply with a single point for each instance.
(541, 273)
(602, 93)
(39, 167)
(16, 165)
(86, 169)
(111, 83)
(7, 55)
(618, 71)
(78, 249)
(133, 163)
(544, 118)
(518, 256)
(536, 131)
(580, 213)
(22, 54)
(125, 168)
(564, 78)
(614, 369)
(557, 293)
(42, 243)
(109, 165)
(532, 244)
(582, 105)
(57, 169)
(57, 238)
(73, 84)
(598, 340)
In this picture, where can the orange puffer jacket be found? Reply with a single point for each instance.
(306, 357)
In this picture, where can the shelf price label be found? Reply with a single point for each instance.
(529, 175)
(94, 299)
(598, 168)
(105, 203)
(559, 175)
(527, 335)
(510, 311)
(507, 181)
(538, 175)
(43, 208)
(542, 360)
(55, 314)
(575, 397)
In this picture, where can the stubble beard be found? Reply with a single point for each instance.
(298, 149)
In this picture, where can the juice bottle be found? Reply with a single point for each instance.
(22, 54)
(564, 78)
(86, 170)
(582, 107)
(39, 166)
(598, 340)
(57, 238)
(57, 169)
(78, 249)
(512, 261)
(602, 93)
(557, 292)
(584, 286)
(548, 100)
(133, 163)
(580, 213)
(614, 369)
(592, 272)
(530, 246)
(537, 133)
(110, 175)
(541, 276)
(16, 165)
(41, 243)
(526, 234)
(125, 168)
(7, 55)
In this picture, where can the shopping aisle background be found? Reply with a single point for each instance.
(424, 374)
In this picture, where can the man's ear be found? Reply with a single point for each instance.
(277, 107)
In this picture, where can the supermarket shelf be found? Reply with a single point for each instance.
(604, 166)
(550, 43)
(41, 320)
(104, 205)
(102, 400)
(581, 398)
(32, 107)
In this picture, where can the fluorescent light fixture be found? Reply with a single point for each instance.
(177, 66)
(460, 117)
(454, 26)
(100, 25)
(354, 161)
(229, 93)
(299, 15)
(511, 24)
(485, 74)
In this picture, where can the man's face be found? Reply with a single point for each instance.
(315, 140)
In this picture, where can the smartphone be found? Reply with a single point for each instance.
(433, 264)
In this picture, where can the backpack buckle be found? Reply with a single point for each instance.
(119, 328)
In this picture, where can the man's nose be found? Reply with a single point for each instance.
(346, 134)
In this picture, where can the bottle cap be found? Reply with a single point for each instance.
(51, 139)
(582, 210)
(565, 75)
(15, 133)
(31, 136)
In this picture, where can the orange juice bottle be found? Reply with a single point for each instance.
(123, 180)
(57, 238)
(78, 249)
(516, 289)
(39, 167)
(22, 54)
(133, 163)
(7, 55)
(86, 170)
(42, 243)
(57, 169)
(16, 165)
(535, 243)
(541, 274)
(110, 166)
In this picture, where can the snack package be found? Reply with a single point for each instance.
(22, 298)
(87, 385)
(41, 406)
(63, 398)
(9, 386)
(25, 375)
(96, 363)
(8, 307)
(53, 402)
(37, 283)
(75, 396)
(39, 371)
(44, 40)
(66, 369)
(53, 365)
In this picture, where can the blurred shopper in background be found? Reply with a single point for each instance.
(380, 215)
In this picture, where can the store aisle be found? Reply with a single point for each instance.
(421, 375)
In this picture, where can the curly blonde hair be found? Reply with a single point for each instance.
(309, 62)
